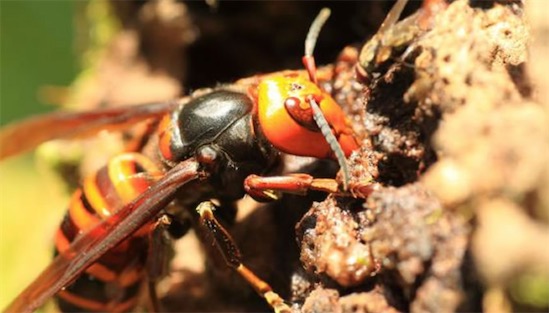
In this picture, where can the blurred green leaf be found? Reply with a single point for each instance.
(36, 49)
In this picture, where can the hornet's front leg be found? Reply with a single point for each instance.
(229, 251)
(269, 188)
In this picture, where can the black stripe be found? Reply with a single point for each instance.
(138, 168)
(87, 205)
(66, 306)
(69, 228)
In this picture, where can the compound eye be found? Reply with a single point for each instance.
(301, 112)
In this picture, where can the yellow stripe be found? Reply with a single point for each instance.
(83, 219)
(101, 272)
(91, 305)
(165, 137)
(122, 174)
(122, 307)
(127, 278)
(61, 242)
(95, 198)
(122, 171)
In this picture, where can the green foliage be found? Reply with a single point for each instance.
(36, 50)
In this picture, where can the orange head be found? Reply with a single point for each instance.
(286, 116)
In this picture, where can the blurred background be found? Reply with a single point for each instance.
(36, 50)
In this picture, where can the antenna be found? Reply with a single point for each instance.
(310, 43)
(318, 116)
(325, 129)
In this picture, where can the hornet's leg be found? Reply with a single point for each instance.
(161, 252)
(228, 249)
(158, 259)
(268, 188)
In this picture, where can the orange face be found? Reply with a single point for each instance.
(286, 117)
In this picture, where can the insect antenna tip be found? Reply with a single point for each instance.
(310, 42)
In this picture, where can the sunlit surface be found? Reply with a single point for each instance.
(32, 203)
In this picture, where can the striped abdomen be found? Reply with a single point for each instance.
(111, 284)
